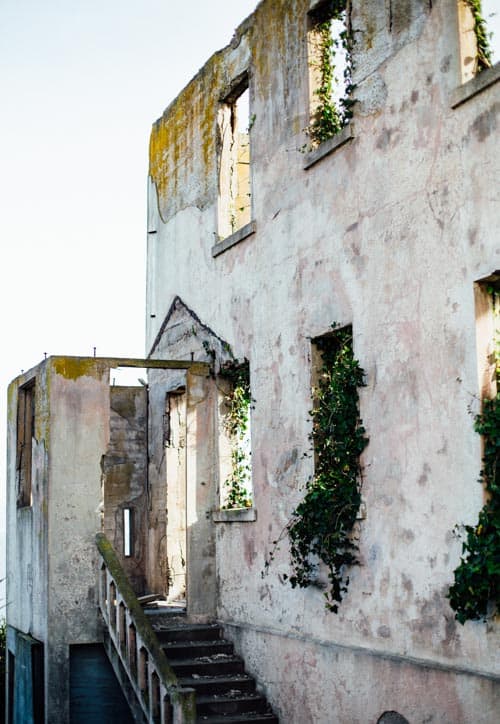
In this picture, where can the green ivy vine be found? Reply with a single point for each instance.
(236, 423)
(483, 51)
(321, 527)
(476, 590)
(328, 119)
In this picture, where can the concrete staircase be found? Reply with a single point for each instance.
(204, 661)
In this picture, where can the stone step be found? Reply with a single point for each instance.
(193, 649)
(187, 632)
(232, 702)
(204, 661)
(255, 718)
(216, 664)
(218, 684)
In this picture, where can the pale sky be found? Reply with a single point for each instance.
(81, 83)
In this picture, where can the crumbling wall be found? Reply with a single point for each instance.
(387, 232)
(125, 480)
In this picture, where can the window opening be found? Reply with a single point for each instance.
(491, 15)
(25, 434)
(236, 446)
(475, 591)
(322, 530)
(479, 24)
(128, 532)
(234, 173)
(128, 376)
(174, 437)
(330, 71)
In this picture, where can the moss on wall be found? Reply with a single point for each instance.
(74, 367)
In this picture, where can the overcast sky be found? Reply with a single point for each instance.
(81, 83)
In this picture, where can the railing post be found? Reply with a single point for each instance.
(103, 586)
(112, 605)
(132, 650)
(157, 691)
(183, 706)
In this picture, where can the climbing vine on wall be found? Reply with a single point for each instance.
(321, 527)
(236, 423)
(330, 117)
(483, 50)
(477, 577)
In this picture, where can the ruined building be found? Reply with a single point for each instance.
(278, 207)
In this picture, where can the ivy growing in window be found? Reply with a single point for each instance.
(331, 43)
(476, 590)
(483, 48)
(236, 421)
(321, 527)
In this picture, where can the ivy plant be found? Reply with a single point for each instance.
(476, 590)
(328, 117)
(321, 527)
(236, 423)
(483, 48)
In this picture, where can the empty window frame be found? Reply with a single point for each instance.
(25, 434)
(234, 160)
(337, 431)
(128, 532)
(487, 307)
(330, 69)
(479, 29)
(235, 447)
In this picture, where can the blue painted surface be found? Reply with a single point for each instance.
(95, 694)
(26, 676)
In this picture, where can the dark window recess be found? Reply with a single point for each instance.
(37, 673)
(11, 687)
(25, 433)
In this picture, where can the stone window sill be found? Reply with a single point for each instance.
(235, 515)
(480, 82)
(327, 147)
(234, 239)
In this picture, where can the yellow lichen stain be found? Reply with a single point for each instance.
(186, 128)
(74, 367)
(183, 143)
(12, 398)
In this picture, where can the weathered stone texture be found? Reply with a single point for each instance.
(388, 233)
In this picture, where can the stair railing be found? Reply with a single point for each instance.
(136, 648)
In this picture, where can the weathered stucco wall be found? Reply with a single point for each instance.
(79, 435)
(388, 233)
(27, 532)
(124, 468)
(52, 556)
